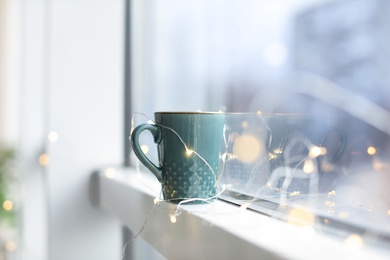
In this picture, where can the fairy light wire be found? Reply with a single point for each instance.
(188, 151)
(139, 232)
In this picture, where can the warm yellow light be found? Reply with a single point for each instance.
(295, 193)
(354, 242)
(244, 124)
(272, 156)
(246, 148)
(44, 159)
(278, 151)
(316, 151)
(10, 246)
(332, 193)
(388, 212)
(144, 148)
(7, 205)
(301, 217)
(53, 137)
(371, 150)
(156, 200)
(227, 157)
(189, 152)
(110, 172)
(330, 204)
(377, 165)
(173, 219)
(308, 166)
(259, 113)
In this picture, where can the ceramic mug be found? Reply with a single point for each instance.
(189, 147)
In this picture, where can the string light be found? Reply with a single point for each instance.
(308, 166)
(144, 148)
(294, 193)
(110, 172)
(173, 219)
(354, 242)
(52, 137)
(44, 159)
(316, 151)
(156, 200)
(7, 205)
(10, 246)
(371, 150)
(247, 148)
(330, 204)
(189, 152)
(377, 165)
(301, 217)
(227, 157)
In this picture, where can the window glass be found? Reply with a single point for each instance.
(305, 85)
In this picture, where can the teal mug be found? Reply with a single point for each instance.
(189, 147)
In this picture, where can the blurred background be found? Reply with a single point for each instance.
(63, 115)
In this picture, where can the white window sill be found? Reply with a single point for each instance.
(214, 231)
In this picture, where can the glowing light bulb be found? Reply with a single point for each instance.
(301, 217)
(272, 156)
(44, 159)
(189, 152)
(308, 166)
(371, 150)
(388, 212)
(244, 124)
(7, 205)
(247, 148)
(316, 151)
(332, 193)
(110, 172)
(377, 165)
(330, 204)
(354, 242)
(144, 148)
(259, 113)
(10, 246)
(295, 193)
(173, 219)
(53, 137)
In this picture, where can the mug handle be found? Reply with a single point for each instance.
(157, 135)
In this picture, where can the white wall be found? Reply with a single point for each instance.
(10, 41)
(72, 84)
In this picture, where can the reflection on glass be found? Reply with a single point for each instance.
(317, 71)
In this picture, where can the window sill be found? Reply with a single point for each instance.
(214, 231)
